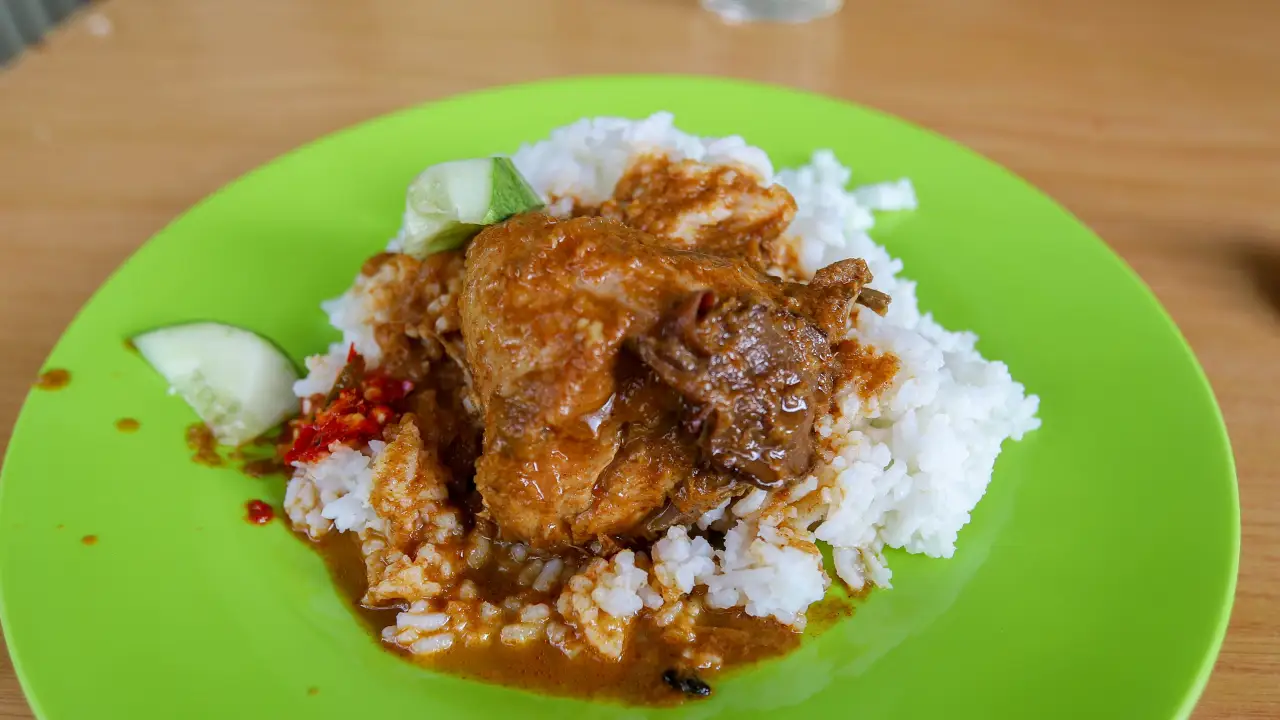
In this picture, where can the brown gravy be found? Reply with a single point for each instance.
(636, 679)
(54, 379)
(257, 458)
(870, 370)
(203, 446)
(341, 553)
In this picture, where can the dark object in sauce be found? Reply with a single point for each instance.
(89, 539)
(258, 512)
(201, 441)
(127, 425)
(54, 379)
(687, 684)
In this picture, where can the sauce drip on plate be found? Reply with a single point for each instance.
(202, 443)
(54, 379)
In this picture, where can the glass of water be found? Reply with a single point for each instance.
(788, 11)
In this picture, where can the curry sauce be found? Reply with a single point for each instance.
(637, 678)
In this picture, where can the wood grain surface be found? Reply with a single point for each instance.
(1155, 121)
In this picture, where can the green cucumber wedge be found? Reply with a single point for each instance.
(238, 382)
(447, 204)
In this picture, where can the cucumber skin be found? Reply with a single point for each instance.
(509, 189)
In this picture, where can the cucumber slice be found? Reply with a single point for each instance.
(238, 382)
(449, 203)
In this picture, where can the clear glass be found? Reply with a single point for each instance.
(790, 11)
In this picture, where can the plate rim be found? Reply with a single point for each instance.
(1194, 691)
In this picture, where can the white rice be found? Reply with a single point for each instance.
(354, 314)
(908, 467)
(548, 575)
(681, 563)
(601, 602)
(617, 587)
(322, 372)
(432, 644)
(767, 571)
(916, 462)
(333, 492)
(521, 633)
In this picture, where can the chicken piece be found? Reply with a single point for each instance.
(657, 465)
(703, 491)
(830, 296)
(644, 472)
(718, 209)
(755, 374)
(547, 308)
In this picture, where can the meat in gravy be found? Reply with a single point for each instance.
(733, 364)
(585, 383)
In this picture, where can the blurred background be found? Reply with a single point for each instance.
(1155, 121)
(25, 23)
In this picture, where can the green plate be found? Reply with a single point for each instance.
(1095, 579)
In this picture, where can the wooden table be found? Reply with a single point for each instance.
(1156, 121)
